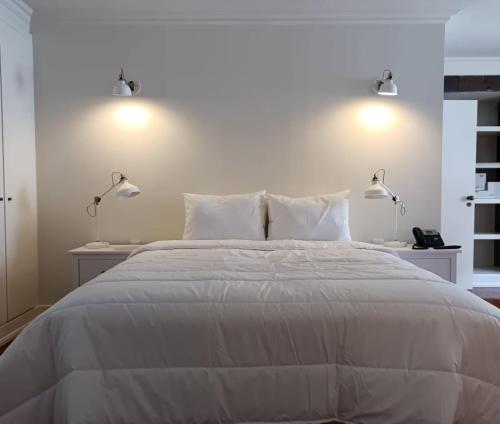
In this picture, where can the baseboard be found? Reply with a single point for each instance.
(488, 285)
(11, 329)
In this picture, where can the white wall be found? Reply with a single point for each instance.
(226, 109)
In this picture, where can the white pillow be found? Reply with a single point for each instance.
(309, 218)
(237, 216)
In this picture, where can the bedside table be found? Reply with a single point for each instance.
(440, 262)
(89, 263)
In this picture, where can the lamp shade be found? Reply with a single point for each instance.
(376, 190)
(127, 190)
(388, 88)
(121, 88)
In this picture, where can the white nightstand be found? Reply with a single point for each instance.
(441, 262)
(89, 263)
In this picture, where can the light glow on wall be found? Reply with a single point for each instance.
(376, 116)
(133, 127)
(131, 115)
(366, 128)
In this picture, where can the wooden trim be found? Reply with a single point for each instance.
(278, 19)
(219, 12)
(471, 83)
(11, 329)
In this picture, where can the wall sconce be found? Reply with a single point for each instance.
(126, 88)
(386, 86)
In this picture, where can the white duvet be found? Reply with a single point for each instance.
(247, 332)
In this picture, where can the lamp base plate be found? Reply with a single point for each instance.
(97, 245)
(395, 244)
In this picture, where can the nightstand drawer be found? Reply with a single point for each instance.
(439, 266)
(89, 263)
(91, 268)
(442, 262)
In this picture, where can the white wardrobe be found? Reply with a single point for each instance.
(18, 211)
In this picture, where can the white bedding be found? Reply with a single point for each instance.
(238, 331)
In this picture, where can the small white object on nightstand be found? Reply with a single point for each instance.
(89, 263)
(442, 262)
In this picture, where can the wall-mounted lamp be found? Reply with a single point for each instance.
(378, 190)
(125, 191)
(386, 86)
(126, 88)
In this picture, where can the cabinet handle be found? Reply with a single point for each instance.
(1, 199)
(9, 198)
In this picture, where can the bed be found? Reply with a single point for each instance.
(258, 332)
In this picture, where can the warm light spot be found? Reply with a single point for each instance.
(131, 115)
(132, 126)
(376, 117)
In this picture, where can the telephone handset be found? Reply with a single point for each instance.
(429, 238)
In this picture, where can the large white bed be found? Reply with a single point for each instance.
(258, 331)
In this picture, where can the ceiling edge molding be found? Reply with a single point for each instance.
(17, 14)
(221, 17)
(472, 65)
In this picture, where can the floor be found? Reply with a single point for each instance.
(490, 294)
(5, 346)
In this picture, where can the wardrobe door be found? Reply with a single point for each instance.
(19, 173)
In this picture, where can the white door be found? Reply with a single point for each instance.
(19, 173)
(3, 279)
(458, 182)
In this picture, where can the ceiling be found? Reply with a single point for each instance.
(475, 31)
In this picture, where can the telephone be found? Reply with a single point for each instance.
(429, 238)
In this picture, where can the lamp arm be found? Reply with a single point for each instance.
(387, 74)
(114, 183)
(382, 183)
(395, 198)
(397, 201)
(97, 199)
(376, 177)
(121, 77)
